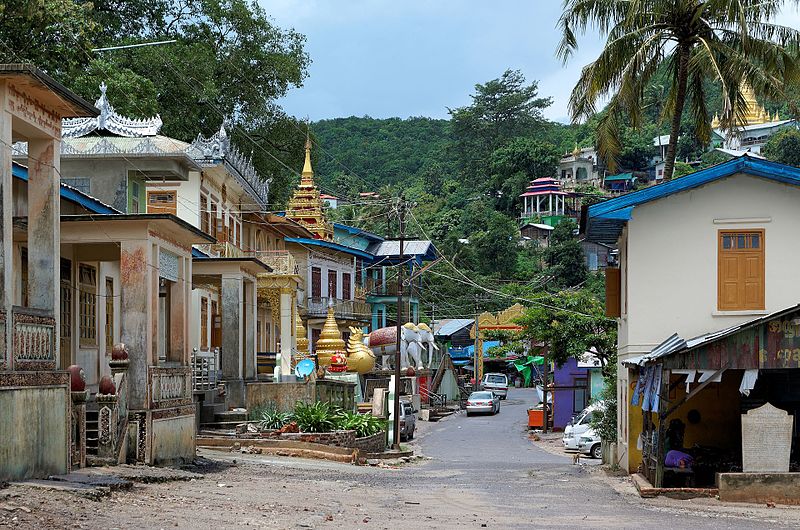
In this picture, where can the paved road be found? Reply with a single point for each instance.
(491, 458)
(483, 473)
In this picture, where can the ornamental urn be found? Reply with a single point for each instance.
(77, 378)
(107, 386)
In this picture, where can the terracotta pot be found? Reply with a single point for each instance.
(410, 372)
(107, 386)
(77, 378)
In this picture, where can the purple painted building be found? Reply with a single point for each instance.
(572, 392)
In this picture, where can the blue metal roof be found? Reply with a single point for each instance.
(198, 253)
(331, 245)
(358, 232)
(69, 193)
(606, 219)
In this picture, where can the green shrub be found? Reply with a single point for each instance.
(363, 424)
(315, 417)
(269, 417)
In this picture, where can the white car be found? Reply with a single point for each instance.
(590, 444)
(483, 401)
(579, 425)
(497, 383)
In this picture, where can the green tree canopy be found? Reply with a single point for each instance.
(784, 147)
(733, 43)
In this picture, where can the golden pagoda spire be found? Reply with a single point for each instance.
(754, 113)
(577, 151)
(308, 172)
(306, 206)
(302, 337)
(330, 340)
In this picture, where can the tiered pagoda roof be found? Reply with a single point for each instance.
(306, 205)
(544, 186)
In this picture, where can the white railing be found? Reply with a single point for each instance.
(205, 366)
(170, 385)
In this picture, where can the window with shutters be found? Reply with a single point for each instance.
(346, 290)
(162, 202)
(316, 282)
(740, 270)
(205, 224)
(109, 315)
(204, 323)
(213, 219)
(87, 305)
(332, 284)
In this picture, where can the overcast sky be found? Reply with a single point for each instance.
(386, 58)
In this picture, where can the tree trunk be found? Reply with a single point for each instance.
(680, 101)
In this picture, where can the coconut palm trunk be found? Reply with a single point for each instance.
(680, 101)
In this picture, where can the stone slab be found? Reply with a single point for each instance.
(761, 488)
(766, 440)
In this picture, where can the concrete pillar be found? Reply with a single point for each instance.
(136, 312)
(44, 214)
(178, 317)
(251, 348)
(6, 215)
(287, 325)
(232, 340)
(231, 303)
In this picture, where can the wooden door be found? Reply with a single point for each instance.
(216, 326)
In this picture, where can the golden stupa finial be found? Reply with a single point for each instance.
(577, 151)
(330, 340)
(302, 337)
(308, 171)
(715, 122)
(754, 113)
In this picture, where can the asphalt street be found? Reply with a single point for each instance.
(491, 457)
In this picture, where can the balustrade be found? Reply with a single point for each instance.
(33, 339)
(170, 386)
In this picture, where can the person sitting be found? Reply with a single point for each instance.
(678, 459)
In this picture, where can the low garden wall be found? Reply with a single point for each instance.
(372, 444)
(336, 438)
(283, 396)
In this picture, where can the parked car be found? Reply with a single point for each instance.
(483, 401)
(590, 444)
(408, 421)
(579, 425)
(497, 383)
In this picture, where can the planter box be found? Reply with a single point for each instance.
(372, 444)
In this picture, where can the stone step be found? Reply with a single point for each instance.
(227, 425)
(209, 411)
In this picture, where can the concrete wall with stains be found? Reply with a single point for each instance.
(173, 440)
(34, 432)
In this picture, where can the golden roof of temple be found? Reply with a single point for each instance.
(754, 114)
(306, 206)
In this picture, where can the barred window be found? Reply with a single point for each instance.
(87, 301)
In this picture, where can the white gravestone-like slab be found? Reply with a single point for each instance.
(766, 440)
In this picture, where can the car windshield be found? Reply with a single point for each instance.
(496, 379)
(481, 395)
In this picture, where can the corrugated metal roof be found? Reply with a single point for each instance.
(414, 247)
(449, 327)
(675, 344)
(620, 177)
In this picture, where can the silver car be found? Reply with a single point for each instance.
(408, 421)
(483, 401)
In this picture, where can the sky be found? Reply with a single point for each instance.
(401, 58)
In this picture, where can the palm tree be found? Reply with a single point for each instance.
(732, 43)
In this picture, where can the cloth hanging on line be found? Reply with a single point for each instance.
(749, 379)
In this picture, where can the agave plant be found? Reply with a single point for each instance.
(269, 417)
(315, 417)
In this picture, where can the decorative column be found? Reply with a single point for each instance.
(179, 307)
(287, 324)
(6, 214)
(136, 312)
(251, 348)
(232, 340)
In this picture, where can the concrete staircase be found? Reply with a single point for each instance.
(213, 414)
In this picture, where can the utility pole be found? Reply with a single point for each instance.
(401, 212)
(478, 348)
(545, 376)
